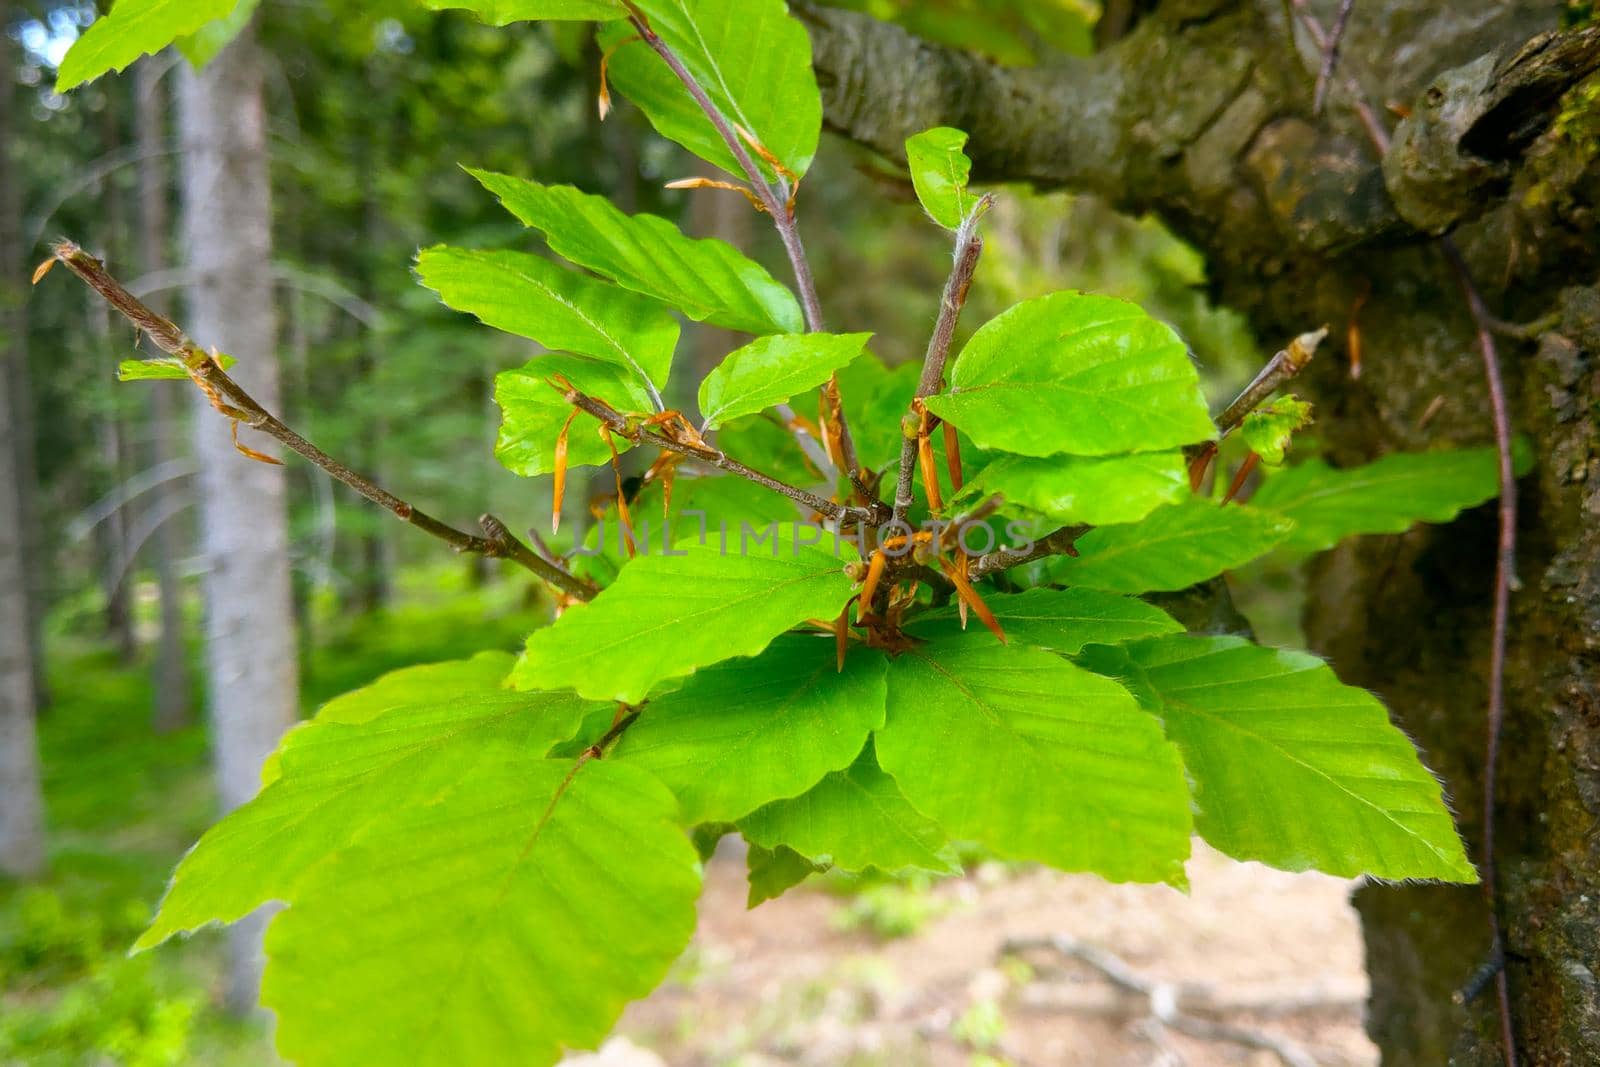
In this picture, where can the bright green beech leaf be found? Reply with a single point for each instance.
(336, 778)
(161, 369)
(135, 28)
(748, 731)
(1290, 766)
(533, 412)
(708, 280)
(510, 918)
(1071, 372)
(668, 615)
(1389, 496)
(505, 12)
(775, 871)
(772, 370)
(1270, 430)
(853, 819)
(940, 171)
(1172, 549)
(1098, 490)
(1062, 620)
(1036, 758)
(558, 308)
(207, 43)
(752, 59)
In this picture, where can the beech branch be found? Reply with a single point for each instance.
(777, 201)
(969, 249)
(642, 434)
(234, 402)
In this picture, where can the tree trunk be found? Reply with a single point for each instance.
(251, 667)
(1202, 114)
(21, 801)
(171, 677)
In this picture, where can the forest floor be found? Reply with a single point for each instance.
(812, 978)
(835, 973)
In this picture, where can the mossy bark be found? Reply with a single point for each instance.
(1202, 114)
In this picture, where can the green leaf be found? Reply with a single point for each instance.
(940, 171)
(772, 370)
(377, 750)
(161, 369)
(1062, 620)
(773, 872)
(1290, 766)
(534, 412)
(505, 12)
(748, 731)
(1389, 496)
(509, 918)
(668, 615)
(708, 280)
(854, 819)
(1037, 759)
(560, 309)
(207, 43)
(752, 59)
(134, 28)
(1270, 430)
(1098, 490)
(1070, 372)
(1173, 548)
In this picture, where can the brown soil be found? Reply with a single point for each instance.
(788, 984)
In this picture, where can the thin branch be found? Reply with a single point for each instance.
(1279, 370)
(969, 249)
(774, 199)
(642, 434)
(1330, 56)
(1056, 543)
(231, 400)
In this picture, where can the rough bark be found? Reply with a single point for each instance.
(1202, 113)
(250, 656)
(171, 672)
(21, 801)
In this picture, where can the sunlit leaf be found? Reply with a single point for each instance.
(161, 369)
(708, 280)
(1173, 548)
(772, 370)
(667, 615)
(533, 411)
(568, 888)
(1388, 496)
(1062, 620)
(1036, 758)
(854, 819)
(940, 171)
(558, 308)
(1270, 429)
(135, 28)
(504, 12)
(205, 44)
(1075, 373)
(1290, 766)
(748, 731)
(753, 60)
(1098, 490)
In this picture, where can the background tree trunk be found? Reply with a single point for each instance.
(167, 500)
(251, 663)
(1202, 113)
(21, 801)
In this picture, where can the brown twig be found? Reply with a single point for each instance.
(641, 434)
(232, 401)
(1330, 56)
(775, 199)
(1056, 543)
(969, 249)
(1279, 370)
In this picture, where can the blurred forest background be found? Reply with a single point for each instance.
(371, 109)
